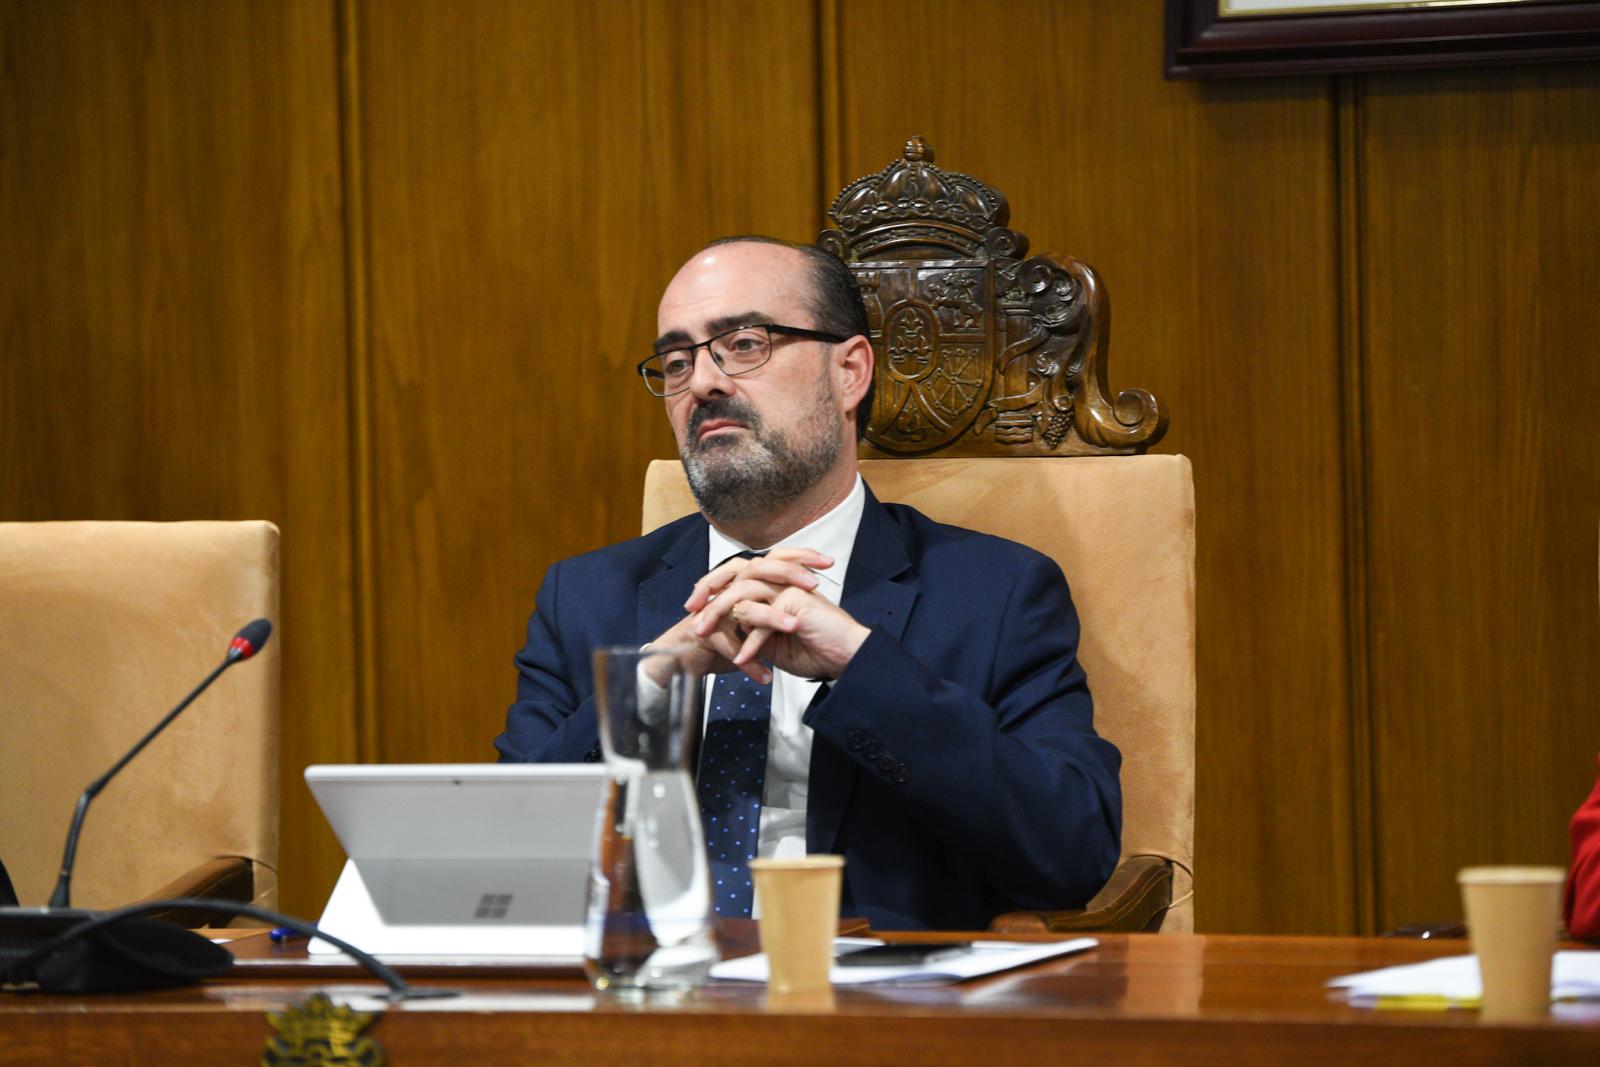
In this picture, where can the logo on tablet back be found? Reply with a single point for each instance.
(493, 906)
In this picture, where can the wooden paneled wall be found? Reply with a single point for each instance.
(379, 273)
(1480, 256)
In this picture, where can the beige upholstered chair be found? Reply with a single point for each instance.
(991, 395)
(1122, 529)
(104, 626)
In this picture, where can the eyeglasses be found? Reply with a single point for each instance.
(735, 352)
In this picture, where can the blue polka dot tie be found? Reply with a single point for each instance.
(733, 770)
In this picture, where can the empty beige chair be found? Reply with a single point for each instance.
(104, 626)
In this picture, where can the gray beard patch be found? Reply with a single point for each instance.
(757, 473)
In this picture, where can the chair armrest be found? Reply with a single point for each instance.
(1133, 900)
(228, 878)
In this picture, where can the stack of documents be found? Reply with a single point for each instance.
(1453, 981)
(980, 958)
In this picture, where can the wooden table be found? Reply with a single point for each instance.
(1136, 999)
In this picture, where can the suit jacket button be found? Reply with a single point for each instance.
(870, 749)
(855, 739)
(886, 763)
(902, 774)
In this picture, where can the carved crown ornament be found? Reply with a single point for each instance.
(982, 350)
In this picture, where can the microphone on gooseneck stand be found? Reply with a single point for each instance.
(137, 944)
(63, 950)
(246, 643)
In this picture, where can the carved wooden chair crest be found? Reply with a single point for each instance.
(982, 349)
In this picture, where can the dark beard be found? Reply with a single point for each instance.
(740, 478)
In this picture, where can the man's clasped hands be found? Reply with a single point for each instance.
(761, 613)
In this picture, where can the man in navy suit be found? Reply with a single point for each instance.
(928, 716)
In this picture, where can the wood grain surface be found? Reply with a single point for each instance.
(1138, 999)
(1482, 251)
(535, 174)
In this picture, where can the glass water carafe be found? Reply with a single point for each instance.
(649, 923)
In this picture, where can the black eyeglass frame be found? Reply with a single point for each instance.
(648, 373)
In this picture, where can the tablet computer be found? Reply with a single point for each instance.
(451, 860)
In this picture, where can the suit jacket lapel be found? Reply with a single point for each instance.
(871, 592)
(661, 596)
(875, 598)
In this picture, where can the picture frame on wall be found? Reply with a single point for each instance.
(1256, 38)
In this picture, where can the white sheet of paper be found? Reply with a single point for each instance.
(1576, 975)
(984, 957)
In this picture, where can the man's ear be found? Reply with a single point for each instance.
(852, 366)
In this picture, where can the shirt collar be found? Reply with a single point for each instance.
(833, 534)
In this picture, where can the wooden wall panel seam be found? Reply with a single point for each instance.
(830, 102)
(359, 365)
(1348, 161)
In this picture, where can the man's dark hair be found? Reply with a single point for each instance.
(835, 302)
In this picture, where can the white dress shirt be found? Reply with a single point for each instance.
(783, 797)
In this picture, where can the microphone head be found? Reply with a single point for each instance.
(249, 640)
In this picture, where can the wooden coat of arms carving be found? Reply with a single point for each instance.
(981, 349)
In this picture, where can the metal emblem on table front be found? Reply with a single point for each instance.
(318, 1033)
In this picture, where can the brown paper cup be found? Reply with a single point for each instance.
(799, 914)
(1513, 914)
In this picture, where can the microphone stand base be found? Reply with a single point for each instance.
(130, 954)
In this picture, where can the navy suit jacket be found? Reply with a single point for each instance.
(954, 762)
